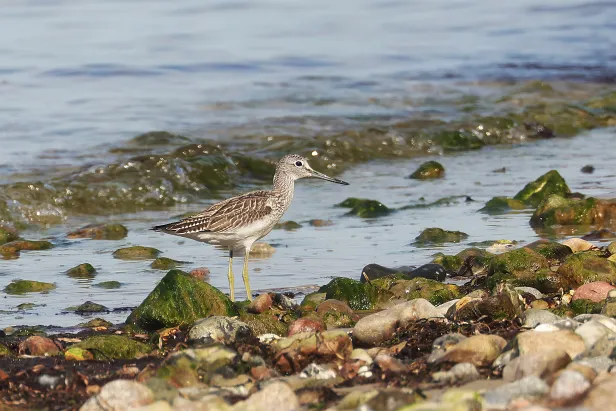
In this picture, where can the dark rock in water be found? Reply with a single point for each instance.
(429, 170)
(538, 130)
(548, 184)
(374, 271)
(105, 347)
(180, 299)
(28, 286)
(320, 223)
(601, 234)
(558, 210)
(365, 208)
(430, 271)
(108, 285)
(432, 236)
(164, 263)
(90, 307)
(588, 169)
(136, 253)
(499, 205)
(359, 296)
(13, 248)
(287, 225)
(82, 271)
(100, 232)
(500, 170)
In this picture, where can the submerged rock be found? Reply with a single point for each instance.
(136, 253)
(180, 299)
(359, 296)
(540, 189)
(499, 205)
(105, 347)
(432, 236)
(557, 210)
(90, 307)
(365, 208)
(287, 225)
(28, 286)
(13, 248)
(108, 285)
(164, 263)
(100, 232)
(82, 271)
(429, 170)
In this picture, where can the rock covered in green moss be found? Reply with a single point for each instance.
(503, 303)
(108, 285)
(136, 253)
(337, 319)
(15, 247)
(287, 225)
(523, 267)
(7, 235)
(164, 263)
(100, 232)
(90, 307)
(106, 347)
(365, 208)
(551, 183)
(435, 292)
(28, 286)
(264, 323)
(499, 205)
(449, 262)
(586, 267)
(432, 236)
(96, 322)
(429, 170)
(358, 296)
(557, 210)
(4, 351)
(312, 300)
(180, 299)
(84, 270)
(457, 140)
(550, 249)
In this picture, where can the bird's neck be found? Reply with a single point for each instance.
(284, 185)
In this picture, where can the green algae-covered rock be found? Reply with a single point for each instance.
(337, 319)
(7, 235)
(499, 205)
(432, 236)
(312, 300)
(82, 271)
(480, 258)
(550, 249)
(357, 295)
(77, 354)
(586, 267)
(136, 253)
(429, 170)
(96, 322)
(100, 232)
(287, 225)
(503, 303)
(164, 263)
(28, 286)
(578, 307)
(449, 262)
(387, 281)
(433, 291)
(537, 191)
(14, 247)
(457, 140)
(365, 208)
(108, 285)
(89, 307)
(557, 210)
(106, 347)
(180, 299)
(523, 267)
(264, 323)
(4, 351)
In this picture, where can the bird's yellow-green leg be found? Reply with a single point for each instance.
(230, 275)
(245, 275)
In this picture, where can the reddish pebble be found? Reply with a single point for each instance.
(596, 291)
(262, 303)
(201, 273)
(3, 376)
(261, 372)
(38, 346)
(306, 324)
(334, 305)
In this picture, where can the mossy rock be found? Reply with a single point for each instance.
(578, 307)
(586, 267)
(5, 352)
(433, 291)
(550, 249)
(287, 225)
(180, 299)
(612, 248)
(457, 140)
(136, 253)
(435, 236)
(551, 183)
(164, 263)
(264, 323)
(312, 300)
(28, 286)
(365, 208)
(100, 232)
(429, 170)
(449, 262)
(15, 247)
(82, 271)
(337, 319)
(77, 354)
(108, 285)
(387, 281)
(357, 295)
(500, 205)
(482, 257)
(523, 267)
(108, 347)
(90, 307)
(557, 210)
(96, 322)
(7, 235)
(27, 306)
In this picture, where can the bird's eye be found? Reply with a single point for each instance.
(299, 163)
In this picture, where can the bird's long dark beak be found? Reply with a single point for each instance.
(322, 176)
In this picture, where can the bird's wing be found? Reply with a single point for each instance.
(228, 215)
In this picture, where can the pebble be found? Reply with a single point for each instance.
(306, 324)
(200, 273)
(219, 329)
(38, 346)
(458, 374)
(541, 363)
(592, 331)
(119, 395)
(533, 317)
(603, 346)
(601, 395)
(528, 387)
(596, 291)
(577, 244)
(598, 363)
(318, 372)
(381, 326)
(479, 350)
(607, 321)
(390, 365)
(533, 341)
(334, 305)
(276, 396)
(359, 354)
(261, 303)
(568, 386)
(530, 290)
